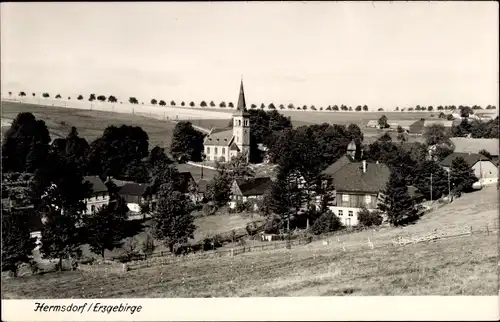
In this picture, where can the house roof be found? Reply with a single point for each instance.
(97, 185)
(234, 147)
(254, 186)
(404, 123)
(469, 145)
(372, 123)
(337, 165)
(223, 138)
(470, 158)
(351, 178)
(120, 183)
(132, 189)
(443, 122)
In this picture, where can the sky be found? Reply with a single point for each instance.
(380, 54)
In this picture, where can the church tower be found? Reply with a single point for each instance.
(241, 125)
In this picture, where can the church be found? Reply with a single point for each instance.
(224, 144)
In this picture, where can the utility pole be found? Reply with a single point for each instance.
(449, 186)
(431, 188)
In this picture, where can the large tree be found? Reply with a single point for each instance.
(436, 134)
(106, 229)
(382, 122)
(429, 174)
(17, 243)
(461, 176)
(25, 145)
(219, 188)
(73, 147)
(173, 222)
(187, 143)
(397, 203)
(116, 150)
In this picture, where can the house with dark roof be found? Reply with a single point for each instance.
(471, 145)
(485, 170)
(133, 194)
(99, 195)
(243, 190)
(224, 144)
(357, 185)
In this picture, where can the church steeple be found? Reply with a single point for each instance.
(241, 108)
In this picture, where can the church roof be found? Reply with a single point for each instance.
(241, 108)
(234, 147)
(223, 138)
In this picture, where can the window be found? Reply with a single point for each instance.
(368, 199)
(246, 122)
(345, 197)
(223, 150)
(92, 208)
(341, 213)
(215, 150)
(208, 158)
(350, 213)
(237, 139)
(239, 122)
(208, 150)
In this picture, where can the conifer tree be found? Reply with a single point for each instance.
(461, 175)
(173, 222)
(397, 203)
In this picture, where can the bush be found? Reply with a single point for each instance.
(208, 209)
(210, 243)
(240, 206)
(252, 228)
(273, 225)
(370, 218)
(326, 223)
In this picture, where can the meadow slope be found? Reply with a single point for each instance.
(455, 266)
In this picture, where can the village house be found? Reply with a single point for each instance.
(470, 145)
(252, 189)
(224, 144)
(99, 195)
(484, 169)
(357, 185)
(133, 194)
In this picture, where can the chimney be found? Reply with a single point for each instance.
(364, 166)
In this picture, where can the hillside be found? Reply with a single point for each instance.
(455, 266)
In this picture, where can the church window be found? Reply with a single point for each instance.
(239, 122)
(215, 150)
(208, 150)
(246, 122)
(223, 150)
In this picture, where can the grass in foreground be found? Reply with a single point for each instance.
(455, 266)
(461, 266)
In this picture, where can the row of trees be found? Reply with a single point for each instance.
(272, 106)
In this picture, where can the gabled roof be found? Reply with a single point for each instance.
(337, 165)
(470, 158)
(133, 189)
(254, 186)
(97, 185)
(467, 145)
(443, 122)
(120, 183)
(351, 178)
(234, 147)
(223, 138)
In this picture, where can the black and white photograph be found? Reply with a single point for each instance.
(249, 149)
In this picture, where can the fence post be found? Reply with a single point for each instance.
(487, 230)
(471, 230)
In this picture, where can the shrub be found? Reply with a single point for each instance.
(273, 225)
(252, 228)
(327, 222)
(210, 243)
(208, 209)
(370, 218)
(240, 206)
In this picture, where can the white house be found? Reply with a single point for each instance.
(484, 169)
(99, 195)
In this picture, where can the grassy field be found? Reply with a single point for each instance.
(90, 124)
(455, 266)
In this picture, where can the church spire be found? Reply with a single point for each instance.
(241, 108)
